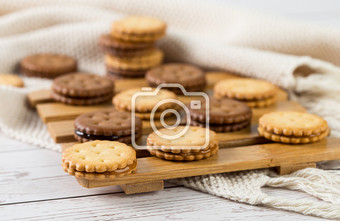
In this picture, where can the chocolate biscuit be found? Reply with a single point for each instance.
(190, 77)
(106, 125)
(47, 65)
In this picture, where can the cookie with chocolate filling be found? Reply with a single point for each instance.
(190, 77)
(107, 124)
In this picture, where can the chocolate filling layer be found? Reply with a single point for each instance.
(97, 137)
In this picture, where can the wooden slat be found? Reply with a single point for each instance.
(290, 168)
(56, 111)
(228, 160)
(143, 187)
(39, 97)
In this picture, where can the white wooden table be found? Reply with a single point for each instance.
(33, 185)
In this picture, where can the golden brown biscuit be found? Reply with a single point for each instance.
(182, 139)
(143, 104)
(245, 89)
(11, 80)
(291, 123)
(98, 156)
(143, 62)
(138, 29)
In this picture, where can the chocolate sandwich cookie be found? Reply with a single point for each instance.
(82, 89)
(115, 47)
(47, 65)
(225, 115)
(106, 125)
(190, 77)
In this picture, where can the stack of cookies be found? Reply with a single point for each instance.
(107, 124)
(253, 92)
(225, 115)
(98, 160)
(82, 89)
(130, 47)
(293, 127)
(47, 65)
(190, 77)
(145, 104)
(193, 144)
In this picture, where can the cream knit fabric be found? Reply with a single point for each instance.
(299, 57)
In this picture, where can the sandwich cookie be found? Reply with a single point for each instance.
(106, 125)
(293, 127)
(253, 92)
(190, 77)
(82, 89)
(138, 29)
(98, 160)
(47, 65)
(144, 104)
(118, 48)
(133, 66)
(225, 115)
(195, 144)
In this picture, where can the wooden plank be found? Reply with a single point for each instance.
(290, 168)
(39, 97)
(57, 111)
(143, 187)
(229, 160)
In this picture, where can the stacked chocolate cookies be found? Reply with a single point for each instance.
(130, 47)
(253, 92)
(47, 65)
(293, 127)
(82, 89)
(106, 125)
(225, 115)
(190, 77)
(196, 143)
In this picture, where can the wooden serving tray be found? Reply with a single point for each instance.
(239, 150)
(151, 171)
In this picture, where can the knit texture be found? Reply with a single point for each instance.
(297, 56)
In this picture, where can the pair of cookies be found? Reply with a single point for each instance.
(190, 77)
(82, 89)
(225, 115)
(293, 127)
(107, 124)
(130, 49)
(99, 160)
(195, 143)
(11, 80)
(47, 65)
(253, 92)
(144, 104)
